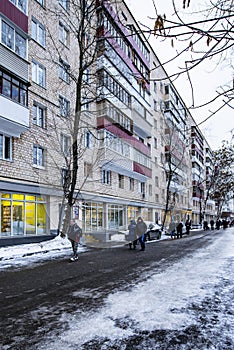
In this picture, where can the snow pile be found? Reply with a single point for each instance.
(28, 254)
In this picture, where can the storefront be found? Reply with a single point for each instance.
(22, 214)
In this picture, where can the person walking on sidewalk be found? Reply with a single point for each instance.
(141, 228)
(74, 234)
(132, 236)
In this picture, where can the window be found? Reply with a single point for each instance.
(65, 144)
(39, 113)
(131, 184)
(38, 73)
(38, 31)
(13, 40)
(5, 147)
(64, 4)
(87, 170)
(156, 198)
(162, 158)
(64, 71)
(155, 124)
(155, 86)
(41, 2)
(142, 188)
(13, 88)
(88, 139)
(156, 181)
(121, 181)
(106, 177)
(155, 160)
(21, 4)
(150, 190)
(155, 143)
(38, 156)
(65, 178)
(155, 105)
(63, 34)
(64, 106)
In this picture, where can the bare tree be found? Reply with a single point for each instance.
(223, 179)
(198, 35)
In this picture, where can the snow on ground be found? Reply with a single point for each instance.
(171, 299)
(26, 255)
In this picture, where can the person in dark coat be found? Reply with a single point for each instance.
(212, 224)
(179, 230)
(132, 236)
(74, 233)
(141, 228)
(188, 226)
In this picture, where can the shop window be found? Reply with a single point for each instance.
(5, 147)
(115, 216)
(5, 217)
(92, 214)
(22, 214)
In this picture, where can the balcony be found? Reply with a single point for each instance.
(14, 118)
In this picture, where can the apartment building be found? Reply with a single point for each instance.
(131, 135)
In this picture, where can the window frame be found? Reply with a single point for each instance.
(3, 150)
(37, 69)
(14, 82)
(39, 120)
(63, 34)
(16, 3)
(11, 42)
(38, 156)
(64, 106)
(63, 73)
(106, 177)
(37, 37)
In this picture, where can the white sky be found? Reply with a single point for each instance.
(160, 300)
(206, 79)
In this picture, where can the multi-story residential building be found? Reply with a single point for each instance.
(130, 135)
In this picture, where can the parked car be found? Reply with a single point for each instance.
(154, 231)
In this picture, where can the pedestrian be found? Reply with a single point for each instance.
(132, 236)
(205, 225)
(179, 230)
(188, 226)
(212, 224)
(74, 234)
(141, 228)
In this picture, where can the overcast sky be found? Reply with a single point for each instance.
(206, 79)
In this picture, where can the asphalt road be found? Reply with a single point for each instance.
(49, 285)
